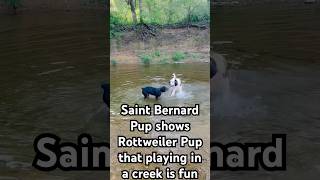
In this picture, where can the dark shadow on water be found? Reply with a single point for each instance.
(51, 69)
(271, 84)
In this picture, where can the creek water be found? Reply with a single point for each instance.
(271, 84)
(51, 69)
(127, 81)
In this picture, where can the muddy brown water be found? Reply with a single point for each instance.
(51, 69)
(272, 83)
(127, 81)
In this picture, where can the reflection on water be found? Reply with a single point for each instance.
(126, 83)
(51, 69)
(272, 85)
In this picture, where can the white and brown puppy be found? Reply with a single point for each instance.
(175, 85)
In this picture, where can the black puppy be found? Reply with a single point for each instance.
(146, 91)
(106, 93)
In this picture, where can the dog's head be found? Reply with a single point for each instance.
(174, 75)
(173, 80)
(163, 89)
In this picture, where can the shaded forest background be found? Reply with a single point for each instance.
(14, 6)
(39, 5)
(147, 16)
(158, 12)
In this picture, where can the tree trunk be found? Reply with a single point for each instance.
(141, 11)
(189, 16)
(14, 10)
(133, 11)
(170, 12)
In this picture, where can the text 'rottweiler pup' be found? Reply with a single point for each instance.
(146, 91)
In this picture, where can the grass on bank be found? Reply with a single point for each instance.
(113, 62)
(145, 59)
(162, 58)
(178, 56)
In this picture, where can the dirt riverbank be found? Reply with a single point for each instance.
(179, 45)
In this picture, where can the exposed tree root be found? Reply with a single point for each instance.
(145, 31)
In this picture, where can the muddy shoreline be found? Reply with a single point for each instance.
(190, 45)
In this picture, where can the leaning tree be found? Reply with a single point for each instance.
(13, 4)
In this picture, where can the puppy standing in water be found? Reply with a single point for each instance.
(146, 91)
(175, 85)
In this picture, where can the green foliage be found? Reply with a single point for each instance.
(194, 55)
(199, 14)
(12, 3)
(115, 34)
(119, 19)
(114, 22)
(164, 60)
(145, 59)
(157, 53)
(161, 12)
(120, 12)
(113, 62)
(178, 56)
